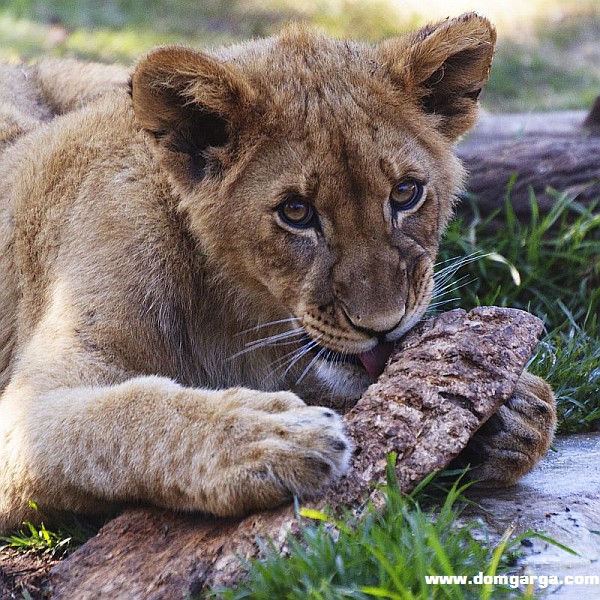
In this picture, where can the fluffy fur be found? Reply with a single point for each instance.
(161, 318)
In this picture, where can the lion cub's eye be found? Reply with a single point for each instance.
(297, 212)
(406, 195)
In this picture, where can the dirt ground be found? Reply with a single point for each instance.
(22, 573)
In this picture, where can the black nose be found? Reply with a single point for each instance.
(379, 334)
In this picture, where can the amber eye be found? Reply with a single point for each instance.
(406, 194)
(297, 212)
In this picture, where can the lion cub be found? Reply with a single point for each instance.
(182, 260)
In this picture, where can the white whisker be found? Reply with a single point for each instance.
(450, 270)
(301, 353)
(289, 320)
(310, 364)
(460, 260)
(441, 290)
(276, 338)
(272, 340)
(453, 286)
(434, 305)
(283, 360)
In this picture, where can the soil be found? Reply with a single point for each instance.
(25, 572)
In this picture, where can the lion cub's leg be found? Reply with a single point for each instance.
(516, 438)
(150, 439)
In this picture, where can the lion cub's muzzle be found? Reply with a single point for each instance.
(372, 362)
(360, 324)
(338, 338)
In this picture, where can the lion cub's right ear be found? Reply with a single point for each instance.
(192, 104)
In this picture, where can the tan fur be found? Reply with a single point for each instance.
(142, 250)
(20, 107)
(66, 84)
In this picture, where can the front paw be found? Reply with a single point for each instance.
(276, 449)
(515, 438)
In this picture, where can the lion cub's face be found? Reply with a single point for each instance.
(318, 174)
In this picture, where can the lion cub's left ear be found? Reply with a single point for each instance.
(193, 104)
(444, 66)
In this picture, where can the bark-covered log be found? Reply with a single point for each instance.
(555, 150)
(568, 165)
(592, 121)
(445, 379)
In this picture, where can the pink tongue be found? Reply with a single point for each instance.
(374, 360)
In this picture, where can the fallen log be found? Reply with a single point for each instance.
(558, 150)
(592, 120)
(446, 378)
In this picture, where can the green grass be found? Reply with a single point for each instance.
(114, 31)
(569, 358)
(67, 533)
(526, 78)
(556, 67)
(37, 538)
(384, 554)
(531, 265)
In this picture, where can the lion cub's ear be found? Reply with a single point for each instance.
(192, 103)
(444, 66)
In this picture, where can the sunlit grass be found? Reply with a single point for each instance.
(569, 358)
(385, 553)
(523, 81)
(66, 533)
(22, 39)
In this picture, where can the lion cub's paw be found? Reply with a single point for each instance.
(280, 448)
(516, 438)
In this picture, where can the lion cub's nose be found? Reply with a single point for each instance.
(375, 325)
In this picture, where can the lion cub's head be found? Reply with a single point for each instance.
(318, 174)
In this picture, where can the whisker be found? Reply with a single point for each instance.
(289, 320)
(292, 343)
(301, 353)
(310, 364)
(434, 305)
(440, 286)
(460, 260)
(272, 340)
(283, 360)
(277, 337)
(453, 286)
(440, 290)
(450, 270)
